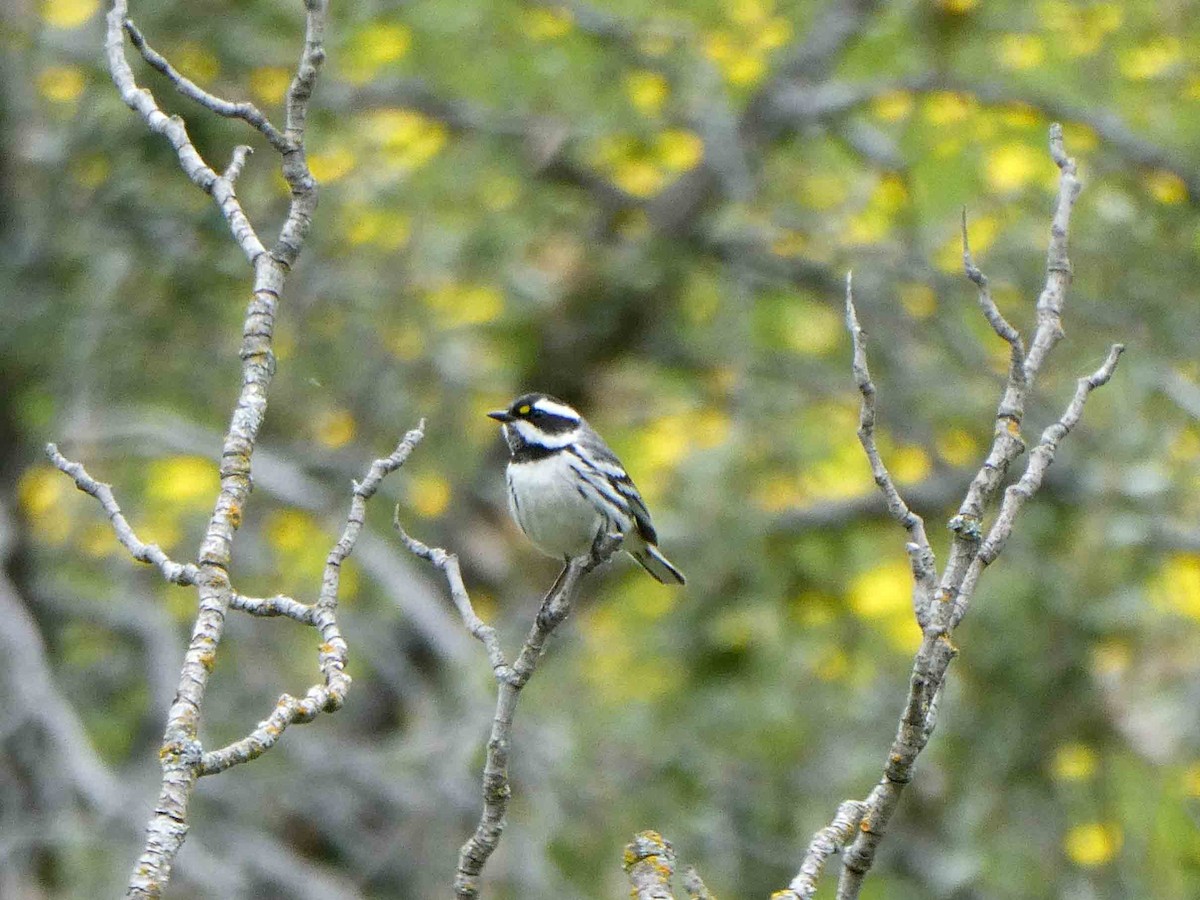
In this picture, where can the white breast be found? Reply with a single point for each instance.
(543, 498)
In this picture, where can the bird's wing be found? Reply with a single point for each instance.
(596, 455)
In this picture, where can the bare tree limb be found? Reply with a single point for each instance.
(863, 824)
(510, 679)
(650, 863)
(245, 110)
(329, 696)
(152, 554)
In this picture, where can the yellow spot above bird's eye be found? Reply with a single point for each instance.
(524, 410)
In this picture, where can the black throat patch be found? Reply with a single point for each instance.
(533, 452)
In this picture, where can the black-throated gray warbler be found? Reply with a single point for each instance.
(565, 485)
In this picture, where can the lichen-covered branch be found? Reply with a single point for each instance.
(650, 864)
(331, 694)
(861, 825)
(510, 679)
(182, 757)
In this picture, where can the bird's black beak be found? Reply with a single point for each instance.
(500, 415)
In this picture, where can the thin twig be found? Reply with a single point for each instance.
(826, 842)
(152, 554)
(920, 554)
(244, 110)
(1016, 495)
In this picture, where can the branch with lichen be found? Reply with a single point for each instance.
(941, 603)
(182, 756)
(510, 679)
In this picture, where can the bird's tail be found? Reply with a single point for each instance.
(656, 564)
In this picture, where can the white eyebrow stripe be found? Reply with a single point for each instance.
(556, 409)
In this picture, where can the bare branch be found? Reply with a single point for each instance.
(864, 824)
(555, 608)
(991, 312)
(173, 129)
(920, 554)
(245, 110)
(152, 554)
(1058, 265)
(650, 864)
(1017, 495)
(278, 605)
(824, 844)
(329, 696)
(448, 564)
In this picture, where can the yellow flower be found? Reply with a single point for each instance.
(1176, 587)
(639, 177)
(41, 491)
(386, 229)
(61, 84)
(947, 107)
(269, 84)
(918, 299)
(1074, 762)
(292, 531)
(647, 91)
(332, 165)
(335, 428)
(407, 138)
(881, 591)
(1151, 59)
(196, 61)
(957, 446)
(68, 13)
(679, 150)
(812, 328)
(909, 463)
(957, 7)
(429, 494)
(1165, 187)
(1012, 166)
(372, 48)
(892, 106)
(1093, 843)
(461, 305)
(1021, 51)
(188, 481)
(744, 67)
(773, 34)
(543, 24)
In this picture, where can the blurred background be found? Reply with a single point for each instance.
(648, 210)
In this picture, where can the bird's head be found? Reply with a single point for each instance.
(539, 421)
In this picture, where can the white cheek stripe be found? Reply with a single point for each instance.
(556, 409)
(534, 435)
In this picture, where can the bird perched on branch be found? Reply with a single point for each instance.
(566, 487)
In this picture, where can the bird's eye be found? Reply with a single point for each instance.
(524, 410)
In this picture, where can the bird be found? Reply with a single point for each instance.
(566, 487)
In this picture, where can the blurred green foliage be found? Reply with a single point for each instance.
(631, 206)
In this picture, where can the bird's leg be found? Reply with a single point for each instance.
(557, 582)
